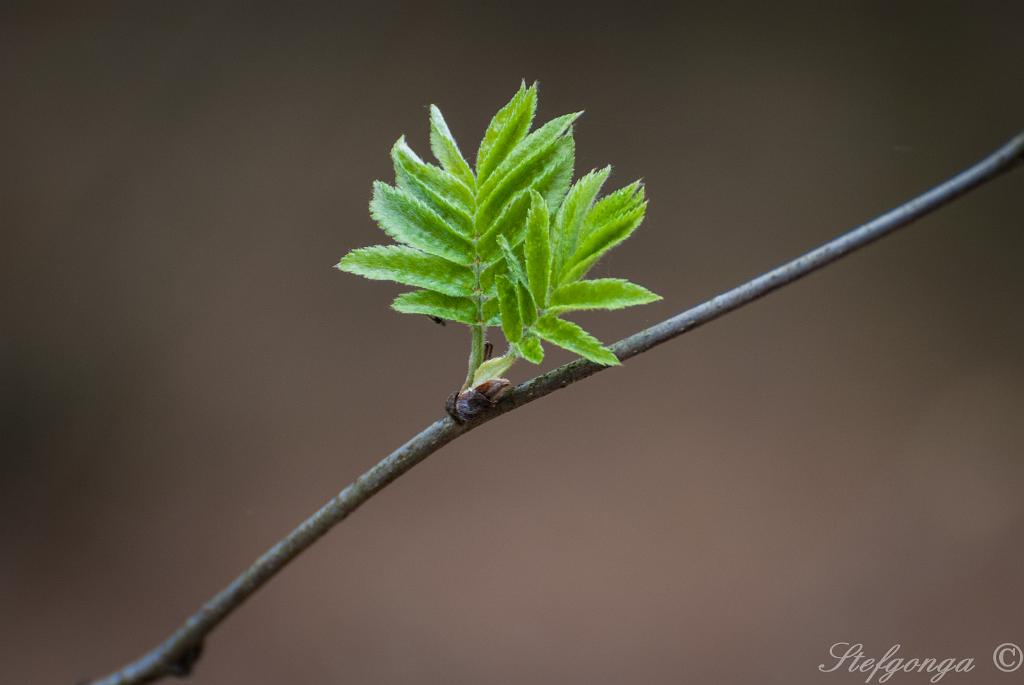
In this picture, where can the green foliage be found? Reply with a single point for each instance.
(508, 305)
(409, 266)
(568, 335)
(507, 244)
(432, 303)
(600, 293)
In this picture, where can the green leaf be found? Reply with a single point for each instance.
(461, 309)
(508, 127)
(554, 181)
(497, 267)
(600, 293)
(410, 267)
(530, 349)
(508, 303)
(409, 221)
(493, 368)
(600, 239)
(436, 188)
(446, 150)
(613, 204)
(538, 248)
(515, 269)
(510, 264)
(566, 228)
(492, 317)
(511, 224)
(523, 168)
(491, 272)
(528, 148)
(527, 305)
(571, 337)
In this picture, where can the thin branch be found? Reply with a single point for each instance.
(177, 654)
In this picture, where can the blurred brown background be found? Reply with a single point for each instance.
(185, 378)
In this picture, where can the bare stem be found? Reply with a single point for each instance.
(176, 654)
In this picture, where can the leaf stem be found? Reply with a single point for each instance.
(476, 350)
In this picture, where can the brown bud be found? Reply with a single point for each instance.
(494, 389)
(469, 404)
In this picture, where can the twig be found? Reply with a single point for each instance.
(177, 654)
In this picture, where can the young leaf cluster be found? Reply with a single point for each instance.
(506, 243)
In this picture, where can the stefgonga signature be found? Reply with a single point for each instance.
(849, 656)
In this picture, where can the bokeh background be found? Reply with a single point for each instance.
(185, 377)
